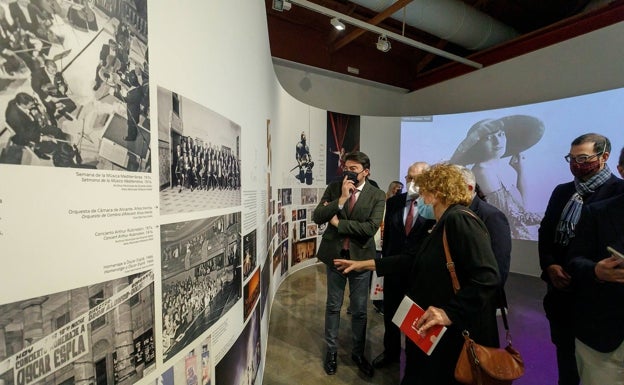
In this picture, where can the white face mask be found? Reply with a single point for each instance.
(412, 189)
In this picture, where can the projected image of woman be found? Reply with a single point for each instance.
(494, 147)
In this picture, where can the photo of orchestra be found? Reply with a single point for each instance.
(201, 277)
(199, 156)
(74, 84)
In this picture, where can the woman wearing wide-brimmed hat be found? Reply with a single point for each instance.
(487, 145)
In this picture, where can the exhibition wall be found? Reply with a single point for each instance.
(145, 235)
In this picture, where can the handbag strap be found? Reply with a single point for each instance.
(450, 265)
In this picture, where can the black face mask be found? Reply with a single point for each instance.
(352, 176)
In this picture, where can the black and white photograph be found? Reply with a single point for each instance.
(199, 156)
(309, 196)
(104, 330)
(241, 363)
(250, 259)
(74, 84)
(285, 195)
(303, 169)
(302, 229)
(201, 276)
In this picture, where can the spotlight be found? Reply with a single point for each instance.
(339, 25)
(281, 5)
(383, 44)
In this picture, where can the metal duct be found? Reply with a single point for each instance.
(451, 20)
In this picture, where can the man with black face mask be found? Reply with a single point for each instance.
(353, 209)
(593, 181)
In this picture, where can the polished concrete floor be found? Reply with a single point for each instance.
(296, 349)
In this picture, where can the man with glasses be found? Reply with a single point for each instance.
(593, 181)
(353, 209)
(403, 229)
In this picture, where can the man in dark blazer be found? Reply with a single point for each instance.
(28, 132)
(353, 209)
(598, 287)
(593, 182)
(395, 240)
(497, 226)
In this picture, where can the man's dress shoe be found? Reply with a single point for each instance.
(384, 360)
(364, 366)
(330, 363)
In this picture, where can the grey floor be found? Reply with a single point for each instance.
(296, 349)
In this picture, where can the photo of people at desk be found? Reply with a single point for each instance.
(74, 84)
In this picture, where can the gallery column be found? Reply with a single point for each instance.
(84, 368)
(33, 320)
(124, 343)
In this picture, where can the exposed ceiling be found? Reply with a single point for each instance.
(484, 32)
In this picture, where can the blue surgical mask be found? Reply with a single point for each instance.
(424, 210)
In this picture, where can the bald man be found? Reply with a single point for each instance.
(395, 240)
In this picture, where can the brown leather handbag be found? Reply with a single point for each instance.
(482, 365)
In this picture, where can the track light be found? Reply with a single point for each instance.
(339, 25)
(383, 44)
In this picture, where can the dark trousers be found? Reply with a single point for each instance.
(358, 300)
(393, 295)
(559, 311)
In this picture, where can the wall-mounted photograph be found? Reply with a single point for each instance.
(199, 156)
(103, 331)
(74, 84)
(343, 136)
(303, 250)
(201, 277)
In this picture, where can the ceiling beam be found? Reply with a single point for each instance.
(391, 35)
(383, 15)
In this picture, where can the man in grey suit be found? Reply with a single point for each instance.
(353, 209)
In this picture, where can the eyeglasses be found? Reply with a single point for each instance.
(580, 158)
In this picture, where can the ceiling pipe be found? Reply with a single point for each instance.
(451, 20)
(394, 36)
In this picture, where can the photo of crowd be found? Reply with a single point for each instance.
(201, 272)
(74, 84)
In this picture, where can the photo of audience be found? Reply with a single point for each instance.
(201, 277)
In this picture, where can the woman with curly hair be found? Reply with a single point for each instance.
(472, 308)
